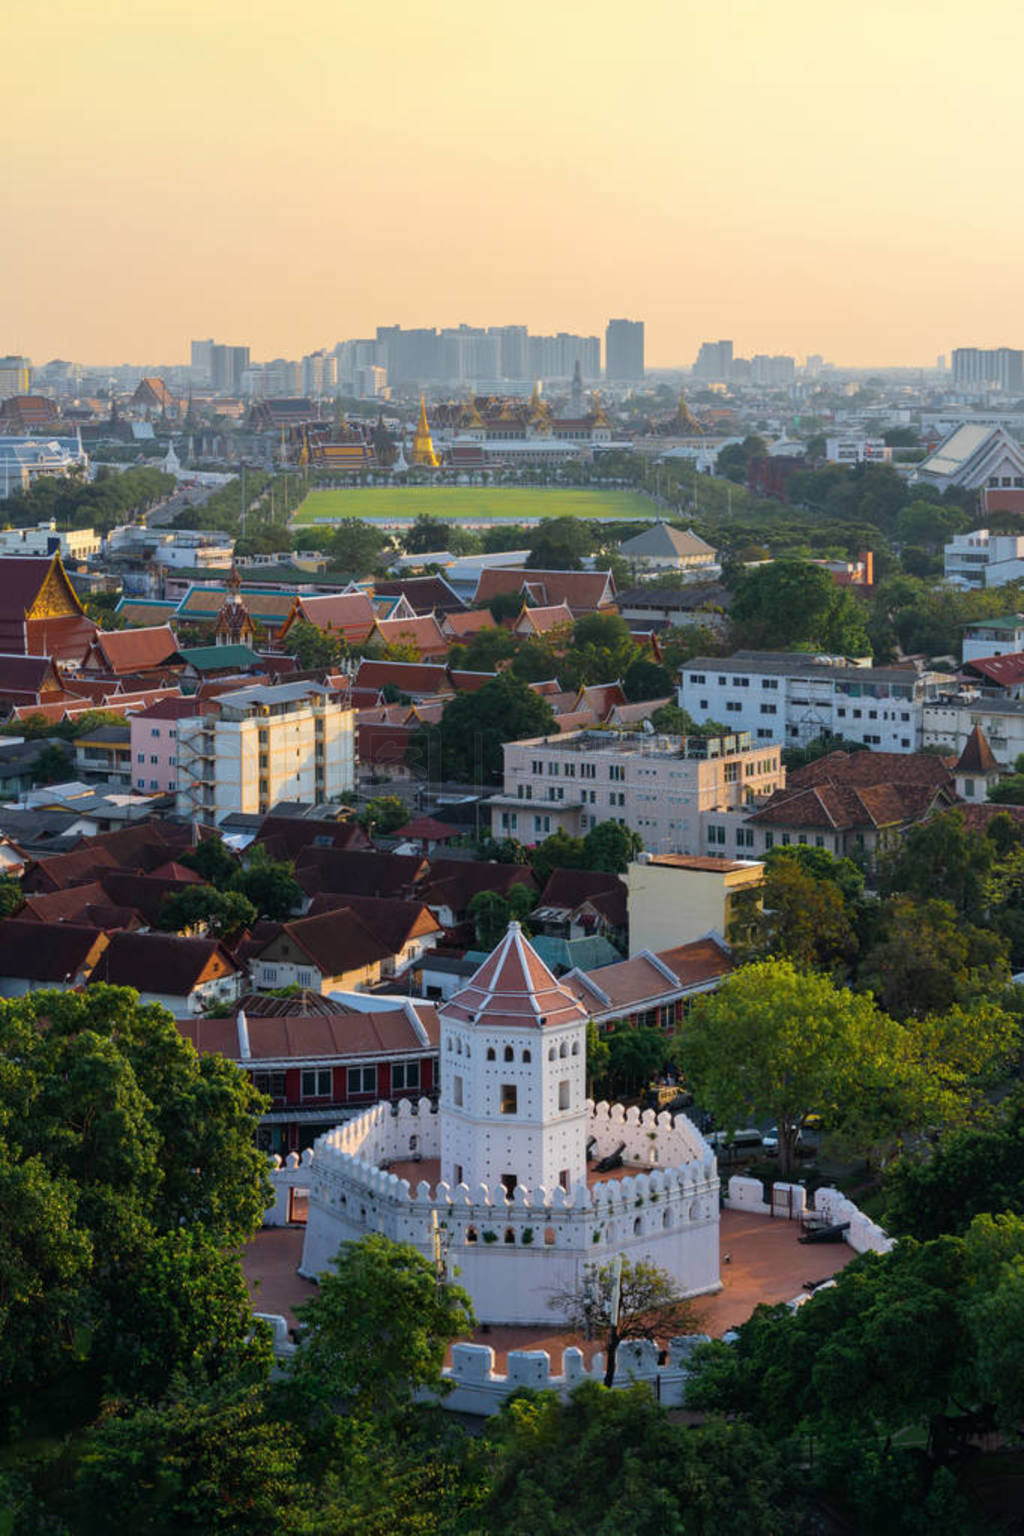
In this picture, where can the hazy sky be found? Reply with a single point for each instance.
(799, 175)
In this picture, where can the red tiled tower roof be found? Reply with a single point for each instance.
(976, 756)
(513, 989)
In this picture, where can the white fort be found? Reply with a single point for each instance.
(506, 1165)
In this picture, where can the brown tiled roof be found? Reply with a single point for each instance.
(132, 650)
(389, 919)
(336, 942)
(169, 709)
(62, 870)
(470, 682)
(640, 981)
(600, 697)
(422, 632)
(1007, 670)
(977, 818)
(461, 625)
(145, 893)
(62, 906)
(541, 621)
(513, 989)
(412, 677)
(977, 756)
(429, 829)
(292, 834)
(349, 614)
(39, 952)
(584, 591)
(567, 889)
(163, 963)
(426, 594)
(32, 675)
(844, 807)
(870, 768)
(21, 578)
(352, 872)
(454, 882)
(318, 1036)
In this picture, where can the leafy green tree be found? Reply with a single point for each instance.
(941, 1188)
(790, 603)
(794, 916)
(733, 460)
(607, 1462)
(356, 546)
(377, 1329)
(313, 648)
(925, 958)
(559, 851)
(200, 1462)
(598, 1056)
(384, 814)
(602, 650)
(536, 660)
(466, 745)
(505, 605)
(483, 651)
(929, 523)
(491, 912)
(634, 1057)
(672, 720)
(11, 898)
(53, 765)
(560, 543)
(1009, 790)
(212, 859)
(269, 884)
(780, 1044)
(647, 680)
(611, 846)
(685, 641)
(426, 536)
(203, 908)
(642, 1301)
(939, 858)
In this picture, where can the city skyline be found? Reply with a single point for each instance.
(764, 172)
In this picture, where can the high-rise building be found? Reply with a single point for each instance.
(995, 368)
(201, 362)
(772, 370)
(512, 345)
(714, 361)
(227, 364)
(14, 376)
(624, 349)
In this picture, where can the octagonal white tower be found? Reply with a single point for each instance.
(513, 1076)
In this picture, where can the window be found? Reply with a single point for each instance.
(155, 730)
(769, 709)
(316, 1083)
(769, 841)
(490, 1053)
(510, 1054)
(563, 1094)
(141, 757)
(269, 974)
(509, 1099)
(153, 784)
(588, 770)
(536, 766)
(733, 706)
(362, 1080)
(406, 1074)
(552, 770)
(509, 822)
(457, 1171)
(457, 1092)
(140, 783)
(732, 772)
(698, 678)
(527, 1057)
(273, 1084)
(173, 761)
(508, 1184)
(563, 1178)
(616, 773)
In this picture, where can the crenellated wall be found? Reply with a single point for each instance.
(514, 1253)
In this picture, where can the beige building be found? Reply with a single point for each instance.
(661, 787)
(677, 900)
(15, 373)
(259, 745)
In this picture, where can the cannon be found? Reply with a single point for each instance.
(613, 1160)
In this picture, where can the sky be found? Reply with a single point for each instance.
(802, 176)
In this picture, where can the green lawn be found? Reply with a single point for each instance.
(514, 504)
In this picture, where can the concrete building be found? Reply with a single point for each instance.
(661, 787)
(257, 746)
(795, 698)
(502, 1166)
(988, 368)
(1000, 636)
(624, 350)
(950, 720)
(857, 450)
(677, 900)
(977, 456)
(45, 539)
(984, 559)
(15, 374)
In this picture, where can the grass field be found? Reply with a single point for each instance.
(512, 504)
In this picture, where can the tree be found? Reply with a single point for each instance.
(794, 916)
(1008, 791)
(53, 765)
(199, 1463)
(356, 546)
(939, 858)
(560, 543)
(925, 958)
(792, 602)
(384, 814)
(504, 605)
(467, 744)
(11, 898)
(672, 720)
(313, 648)
(269, 884)
(483, 651)
(733, 460)
(611, 846)
(491, 912)
(598, 1056)
(627, 1300)
(212, 859)
(644, 679)
(602, 650)
(634, 1056)
(559, 851)
(377, 1329)
(426, 536)
(203, 908)
(780, 1044)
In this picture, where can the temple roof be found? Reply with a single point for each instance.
(513, 989)
(977, 756)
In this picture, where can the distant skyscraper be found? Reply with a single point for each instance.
(995, 368)
(201, 363)
(14, 376)
(624, 349)
(714, 361)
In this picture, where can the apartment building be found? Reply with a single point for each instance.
(256, 746)
(794, 698)
(659, 786)
(984, 559)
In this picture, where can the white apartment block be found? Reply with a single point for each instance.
(260, 745)
(778, 696)
(950, 719)
(1001, 636)
(983, 559)
(44, 538)
(659, 786)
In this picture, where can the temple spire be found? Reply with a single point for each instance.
(422, 444)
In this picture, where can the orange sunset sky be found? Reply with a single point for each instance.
(801, 177)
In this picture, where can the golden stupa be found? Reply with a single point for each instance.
(422, 445)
